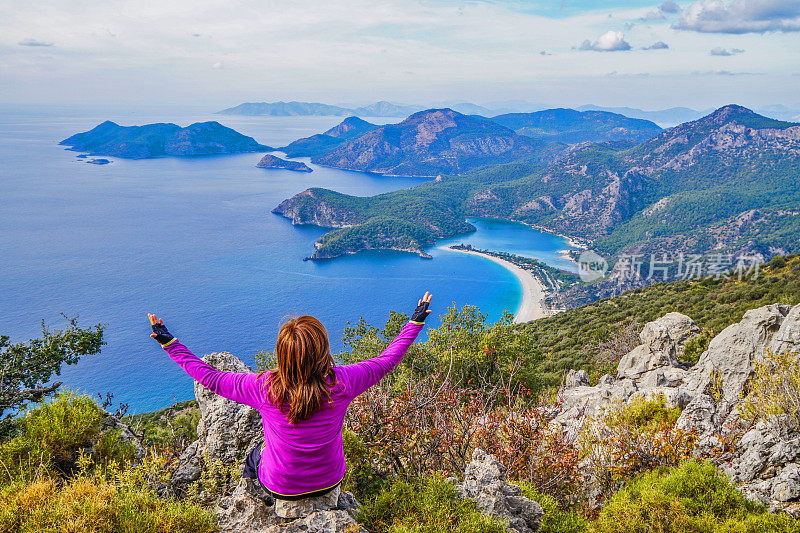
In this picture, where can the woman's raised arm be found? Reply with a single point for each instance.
(239, 387)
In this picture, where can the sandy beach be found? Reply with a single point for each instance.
(532, 305)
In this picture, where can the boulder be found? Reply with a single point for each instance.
(485, 482)
(576, 378)
(723, 369)
(249, 510)
(663, 341)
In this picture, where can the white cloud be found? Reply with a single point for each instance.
(658, 45)
(610, 41)
(34, 42)
(719, 51)
(741, 16)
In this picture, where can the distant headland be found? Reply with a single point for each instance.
(162, 139)
(271, 161)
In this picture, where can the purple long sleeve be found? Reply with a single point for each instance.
(309, 456)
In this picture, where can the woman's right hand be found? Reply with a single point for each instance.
(422, 311)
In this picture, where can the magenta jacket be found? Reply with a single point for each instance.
(309, 456)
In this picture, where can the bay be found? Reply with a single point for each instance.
(193, 240)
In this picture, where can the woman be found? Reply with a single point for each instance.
(302, 401)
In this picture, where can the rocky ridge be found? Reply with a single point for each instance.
(766, 457)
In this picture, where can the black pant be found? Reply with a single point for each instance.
(250, 470)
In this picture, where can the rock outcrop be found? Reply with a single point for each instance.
(247, 511)
(765, 460)
(485, 482)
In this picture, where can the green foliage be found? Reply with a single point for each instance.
(51, 435)
(693, 497)
(111, 448)
(644, 415)
(775, 390)
(216, 480)
(560, 341)
(428, 505)
(115, 502)
(695, 346)
(174, 426)
(555, 520)
(26, 366)
(361, 478)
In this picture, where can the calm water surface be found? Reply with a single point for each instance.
(194, 241)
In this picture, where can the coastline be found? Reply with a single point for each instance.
(532, 305)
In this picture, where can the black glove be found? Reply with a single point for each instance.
(422, 312)
(161, 334)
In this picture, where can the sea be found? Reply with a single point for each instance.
(194, 241)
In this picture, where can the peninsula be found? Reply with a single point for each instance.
(162, 139)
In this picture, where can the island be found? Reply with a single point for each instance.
(99, 161)
(162, 139)
(271, 161)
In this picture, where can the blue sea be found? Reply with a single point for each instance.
(194, 241)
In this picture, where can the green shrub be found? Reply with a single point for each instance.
(96, 504)
(50, 434)
(691, 498)
(647, 415)
(361, 478)
(555, 520)
(111, 448)
(697, 345)
(428, 505)
(775, 390)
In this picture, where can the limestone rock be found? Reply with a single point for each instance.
(484, 481)
(729, 361)
(576, 378)
(337, 521)
(244, 511)
(247, 510)
(662, 342)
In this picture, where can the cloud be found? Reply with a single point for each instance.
(658, 45)
(34, 42)
(611, 41)
(669, 7)
(545, 53)
(217, 65)
(651, 16)
(741, 16)
(719, 51)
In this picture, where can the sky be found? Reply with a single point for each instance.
(558, 52)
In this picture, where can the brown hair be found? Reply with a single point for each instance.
(304, 375)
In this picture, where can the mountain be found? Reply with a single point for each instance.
(726, 183)
(663, 117)
(571, 126)
(427, 143)
(386, 109)
(322, 143)
(285, 109)
(162, 139)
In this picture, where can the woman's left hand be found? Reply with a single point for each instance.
(160, 332)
